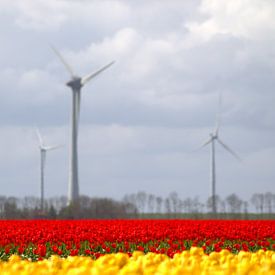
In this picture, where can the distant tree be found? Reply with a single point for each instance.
(209, 203)
(98, 208)
(167, 205)
(105, 208)
(268, 201)
(2, 205)
(234, 203)
(84, 202)
(273, 203)
(69, 212)
(151, 203)
(257, 201)
(30, 202)
(10, 209)
(58, 202)
(187, 205)
(191, 205)
(141, 201)
(245, 207)
(131, 200)
(175, 202)
(130, 208)
(52, 213)
(222, 207)
(197, 206)
(159, 201)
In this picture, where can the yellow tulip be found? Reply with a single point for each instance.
(188, 262)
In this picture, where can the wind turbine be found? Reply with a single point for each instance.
(76, 83)
(214, 136)
(43, 150)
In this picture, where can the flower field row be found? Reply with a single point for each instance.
(37, 240)
(194, 261)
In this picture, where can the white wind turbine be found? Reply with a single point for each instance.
(43, 150)
(214, 136)
(76, 83)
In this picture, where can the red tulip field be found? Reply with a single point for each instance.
(137, 247)
(41, 239)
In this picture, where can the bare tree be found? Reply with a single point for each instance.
(30, 202)
(187, 205)
(151, 203)
(209, 203)
(222, 206)
(234, 203)
(245, 207)
(2, 205)
(58, 203)
(167, 204)
(197, 206)
(130, 202)
(141, 201)
(258, 201)
(131, 199)
(175, 202)
(84, 202)
(159, 202)
(268, 199)
(10, 208)
(273, 202)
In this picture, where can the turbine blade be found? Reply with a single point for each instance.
(204, 144)
(218, 116)
(87, 78)
(40, 140)
(65, 63)
(49, 148)
(229, 150)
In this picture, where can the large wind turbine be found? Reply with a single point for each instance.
(76, 83)
(214, 136)
(43, 150)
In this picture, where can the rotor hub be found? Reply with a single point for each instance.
(75, 83)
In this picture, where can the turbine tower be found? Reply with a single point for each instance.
(43, 150)
(76, 83)
(214, 136)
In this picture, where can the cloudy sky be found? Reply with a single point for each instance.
(142, 119)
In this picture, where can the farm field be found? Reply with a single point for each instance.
(137, 246)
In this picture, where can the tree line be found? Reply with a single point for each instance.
(138, 205)
(56, 208)
(260, 203)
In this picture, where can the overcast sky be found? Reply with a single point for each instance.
(141, 119)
